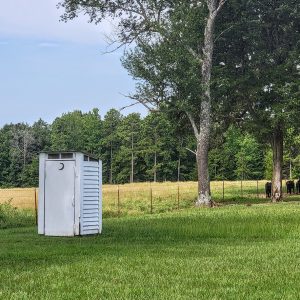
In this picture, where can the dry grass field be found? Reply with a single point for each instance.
(19, 197)
(152, 197)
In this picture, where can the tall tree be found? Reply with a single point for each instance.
(110, 143)
(67, 132)
(41, 134)
(92, 132)
(261, 72)
(20, 150)
(127, 158)
(77, 131)
(249, 159)
(22, 140)
(157, 139)
(149, 21)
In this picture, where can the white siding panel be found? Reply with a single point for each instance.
(90, 220)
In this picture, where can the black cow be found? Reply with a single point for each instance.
(298, 187)
(268, 188)
(290, 186)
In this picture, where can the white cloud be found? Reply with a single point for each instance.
(40, 19)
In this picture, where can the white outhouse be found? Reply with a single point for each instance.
(70, 194)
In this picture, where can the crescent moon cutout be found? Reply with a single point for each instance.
(62, 166)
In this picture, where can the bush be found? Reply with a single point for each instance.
(13, 217)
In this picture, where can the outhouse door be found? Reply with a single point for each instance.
(59, 197)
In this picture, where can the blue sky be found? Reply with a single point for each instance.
(48, 67)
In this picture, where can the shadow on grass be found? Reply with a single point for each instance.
(255, 200)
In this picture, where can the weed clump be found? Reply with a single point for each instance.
(11, 217)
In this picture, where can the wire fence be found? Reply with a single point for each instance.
(139, 198)
(161, 197)
(25, 198)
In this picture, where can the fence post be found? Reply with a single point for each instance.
(257, 189)
(223, 190)
(151, 207)
(35, 207)
(178, 196)
(242, 188)
(118, 200)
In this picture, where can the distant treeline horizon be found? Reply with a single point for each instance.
(136, 149)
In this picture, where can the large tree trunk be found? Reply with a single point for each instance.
(202, 133)
(204, 197)
(277, 148)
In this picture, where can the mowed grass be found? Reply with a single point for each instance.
(232, 252)
(160, 197)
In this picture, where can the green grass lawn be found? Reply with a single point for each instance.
(232, 252)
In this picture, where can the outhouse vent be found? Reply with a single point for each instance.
(66, 155)
(92, 159)
(88, 158)
(53, 156)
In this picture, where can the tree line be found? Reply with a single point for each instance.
(136, 149)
